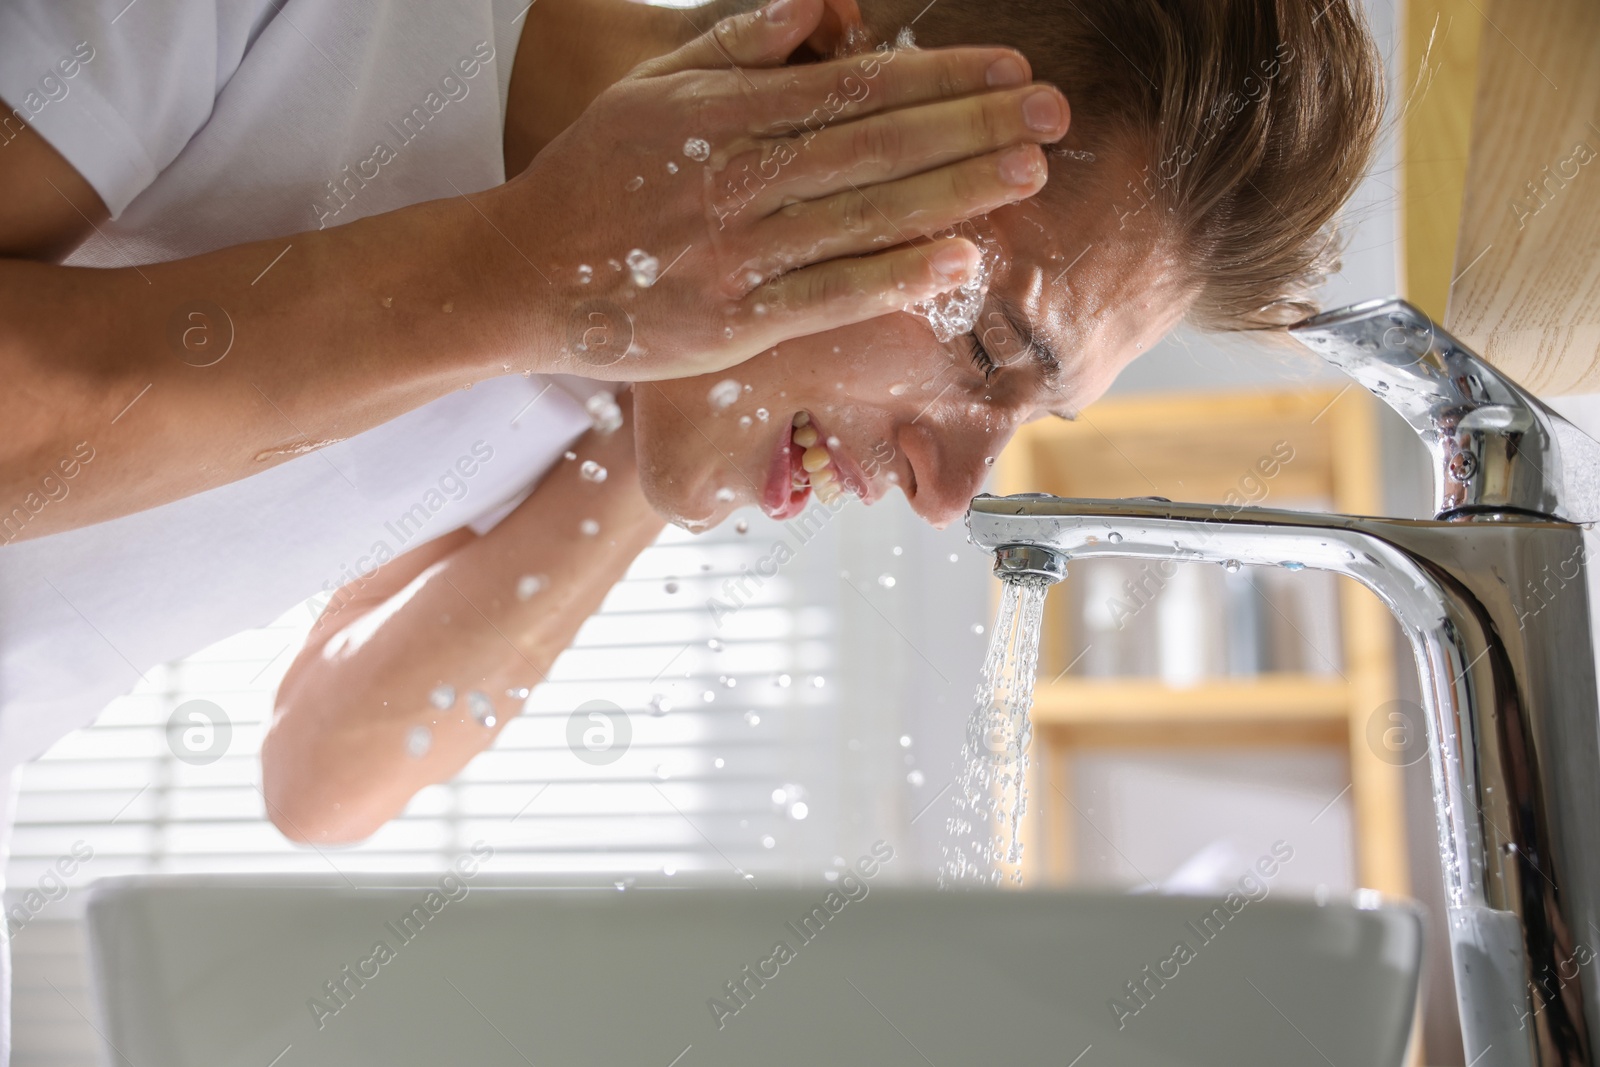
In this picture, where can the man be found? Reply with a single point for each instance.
(309, 251)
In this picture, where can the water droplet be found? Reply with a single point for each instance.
(697, 149)
(418, 740)
(769, 841)
(569, 455)
(745, 422)
(886, 580)
(783, 681)
(644, 266)
(1115, 538)
(592, 472)
(669, 870)
(779, 797)
(988, 461)
(719, 763)
(714, 645)
(915, 778)
(977, 627)
(728, 681)
(898, 389)
(1292, 565)
(1231, 566)
(897, 550)
(604, 412)
(752, 719)
(662, 774)
(588, 527)
(725, 495)
(818, 681)
(482, 708)
(723, 395)
(799, 810)
(585, 274)
(659, 705)
(636, 183)
(443, 697)
(708, 696)
(763, 414)
(741, 527)
(905, 740)
(955, 557)
(671, 587)
(672, 168)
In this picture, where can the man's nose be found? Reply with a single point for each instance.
(946, 477)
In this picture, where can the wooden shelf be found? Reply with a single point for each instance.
(1151, 702)
(1270, 711)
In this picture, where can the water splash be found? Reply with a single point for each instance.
(991, 796)
(956, 312)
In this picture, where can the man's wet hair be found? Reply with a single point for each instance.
(1237, 129)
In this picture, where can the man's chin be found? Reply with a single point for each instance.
(696, 510)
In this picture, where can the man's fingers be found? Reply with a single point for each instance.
(884, 148)
(862, 219)
(764, 38)
(842, 292)
(803, 99)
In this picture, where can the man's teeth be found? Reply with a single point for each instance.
(816, 461)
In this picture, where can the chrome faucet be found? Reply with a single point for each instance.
(1492, 596)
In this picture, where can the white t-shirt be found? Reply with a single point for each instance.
(204, 124)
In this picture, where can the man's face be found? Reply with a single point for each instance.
(1080, 291)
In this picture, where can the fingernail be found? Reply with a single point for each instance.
(1008, 70)
(1020, 165)
(1042, 111)
(782, 10)
(953, 261)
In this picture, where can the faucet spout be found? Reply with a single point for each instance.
(1509, 686)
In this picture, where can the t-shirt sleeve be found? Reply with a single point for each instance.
(119, 87)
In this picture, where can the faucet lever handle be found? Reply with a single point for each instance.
(1495, 446)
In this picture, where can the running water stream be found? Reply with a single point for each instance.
(992, 792)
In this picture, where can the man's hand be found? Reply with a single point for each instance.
(715, 202)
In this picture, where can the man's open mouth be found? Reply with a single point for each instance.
(808, 461)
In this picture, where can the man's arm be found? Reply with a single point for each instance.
(342, 758)
(348, 331)
(185, 375)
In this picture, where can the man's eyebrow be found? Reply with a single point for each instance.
(1039, 346)
(1044, 353)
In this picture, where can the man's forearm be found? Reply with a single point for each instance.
(186, 375)
(356, 733)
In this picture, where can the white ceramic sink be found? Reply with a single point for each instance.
(229, 971)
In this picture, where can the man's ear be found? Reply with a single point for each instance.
(839, 17)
